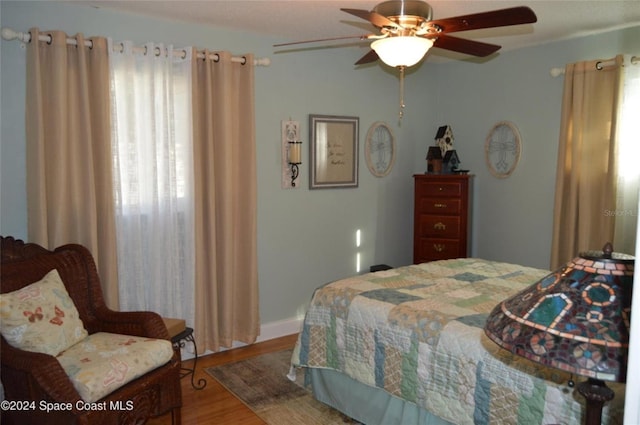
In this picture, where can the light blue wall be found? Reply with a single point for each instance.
(513, 217)
(307, 238)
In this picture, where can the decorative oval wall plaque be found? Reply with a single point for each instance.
(502, 149)
(380, 149)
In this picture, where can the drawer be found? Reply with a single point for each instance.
(439, 226)
(440, 206)
(437, 249)
(440, 188)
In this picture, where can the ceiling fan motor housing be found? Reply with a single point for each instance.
(407, 13)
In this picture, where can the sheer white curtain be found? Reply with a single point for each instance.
(626, 213)
(152, 153)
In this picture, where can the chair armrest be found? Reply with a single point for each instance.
(35, 376)
(135, 323)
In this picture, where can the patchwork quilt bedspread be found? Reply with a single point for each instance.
(417, 333)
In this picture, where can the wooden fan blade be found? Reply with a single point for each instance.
(496, 18)
(375, 18)
(461, 45)
(361, 37)
(372, 56)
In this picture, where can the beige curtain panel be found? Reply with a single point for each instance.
(226, 195)
(586, 172)
(69, 183)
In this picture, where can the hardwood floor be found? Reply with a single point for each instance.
(214, 404)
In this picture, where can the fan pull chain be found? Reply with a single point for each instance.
(401, 113)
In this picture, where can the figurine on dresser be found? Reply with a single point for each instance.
(442, 158)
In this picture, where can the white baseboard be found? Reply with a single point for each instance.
(271, 330)
(280, 328)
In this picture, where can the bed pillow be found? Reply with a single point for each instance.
(41, 317)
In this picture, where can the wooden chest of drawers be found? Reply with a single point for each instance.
(441, 217)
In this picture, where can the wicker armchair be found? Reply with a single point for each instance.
(37, 377)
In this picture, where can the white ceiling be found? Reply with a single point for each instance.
(295, 20)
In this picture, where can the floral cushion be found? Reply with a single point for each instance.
(103, 362)
(41, 317)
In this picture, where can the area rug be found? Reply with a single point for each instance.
(261, 383)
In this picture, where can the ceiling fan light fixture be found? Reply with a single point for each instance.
(402, 50)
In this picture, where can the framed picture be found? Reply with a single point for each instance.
(333, 151)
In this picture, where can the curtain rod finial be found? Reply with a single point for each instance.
(263, 61)
(10, 34)
(556, 72)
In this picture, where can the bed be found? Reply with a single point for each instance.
(407, 346)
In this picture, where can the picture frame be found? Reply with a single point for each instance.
(333, 151)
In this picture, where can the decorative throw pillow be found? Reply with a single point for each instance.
(41, 317)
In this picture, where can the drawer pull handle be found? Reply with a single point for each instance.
(441, 188)
(440, 226)
(438, 247)
(440, 205)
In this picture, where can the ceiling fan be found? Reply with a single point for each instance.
(407, 31)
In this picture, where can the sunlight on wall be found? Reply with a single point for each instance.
(358, 241)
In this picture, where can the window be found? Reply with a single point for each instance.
(626, 213)
(152, 150)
